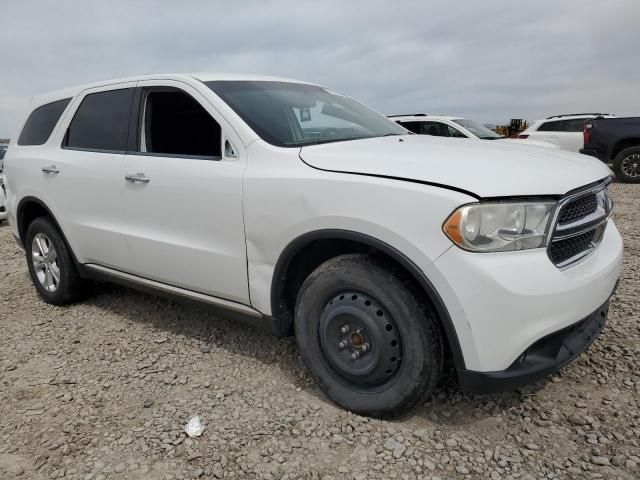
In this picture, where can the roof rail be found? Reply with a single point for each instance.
(577, 115)
(409, 115)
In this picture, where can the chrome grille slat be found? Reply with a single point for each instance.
(578, 226)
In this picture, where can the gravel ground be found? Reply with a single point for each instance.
(104, 388)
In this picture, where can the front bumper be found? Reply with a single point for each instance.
(544, 357)
(500, 304)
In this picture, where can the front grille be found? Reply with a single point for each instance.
(563, 250)
(578, 208)
(579, 225)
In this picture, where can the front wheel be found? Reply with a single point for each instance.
(626, 165)
(372, 346)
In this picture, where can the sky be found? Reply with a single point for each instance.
(485, 60)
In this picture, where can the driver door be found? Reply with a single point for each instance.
(183, 194)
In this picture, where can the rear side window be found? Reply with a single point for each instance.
(101, 121)
(575, 125)
(41, 122)
(412, 126)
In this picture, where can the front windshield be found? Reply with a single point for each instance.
(477, 129)
(296, 114)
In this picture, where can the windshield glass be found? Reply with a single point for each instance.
(477, 129)
(294, 114)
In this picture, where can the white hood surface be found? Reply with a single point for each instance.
(486, 169)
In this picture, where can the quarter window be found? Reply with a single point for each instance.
(174, 123)
(101, 121)
(41, 122)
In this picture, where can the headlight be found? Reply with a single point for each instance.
(500, 226)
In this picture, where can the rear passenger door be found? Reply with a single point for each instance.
(183, 220)
(83, 181)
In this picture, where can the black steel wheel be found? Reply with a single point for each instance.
(360, 340)
(370, 341)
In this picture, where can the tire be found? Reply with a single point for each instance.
(626, 165)
(67, 285)
(405, 354)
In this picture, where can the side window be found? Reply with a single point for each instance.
(550, 127)
(454, 132)
(174, 123)
(411, 126)
(436, 129)
(41, 122)
(101, 121)
(575, 125)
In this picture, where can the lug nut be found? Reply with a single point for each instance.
(345, 329)
(355, 355)
(342, 344)
(366, 347)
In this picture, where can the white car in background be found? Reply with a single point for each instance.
(3, 194)
(565, 131)
(446, 126)
(3, 197)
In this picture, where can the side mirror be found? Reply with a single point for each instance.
(229, 150)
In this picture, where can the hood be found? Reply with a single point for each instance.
(485, 169)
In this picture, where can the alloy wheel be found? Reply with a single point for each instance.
(631, 165)
(45, 262)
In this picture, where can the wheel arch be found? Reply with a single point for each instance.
(306, 252)
(30, 208)
(623, 144)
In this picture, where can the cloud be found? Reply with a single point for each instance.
(487, 60)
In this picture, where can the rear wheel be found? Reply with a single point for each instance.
(371, 344)
(50, 264)
(626, 165)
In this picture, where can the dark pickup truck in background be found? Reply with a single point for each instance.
(615, 141)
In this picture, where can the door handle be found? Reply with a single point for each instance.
(136, 178)
(51, 170)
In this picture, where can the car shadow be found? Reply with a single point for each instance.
(448, 406)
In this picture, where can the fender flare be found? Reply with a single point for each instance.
(278, 282)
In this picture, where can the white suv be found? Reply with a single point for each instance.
(454, 127)
(565, 131)
(302, 210)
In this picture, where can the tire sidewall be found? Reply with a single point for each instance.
(420, 368)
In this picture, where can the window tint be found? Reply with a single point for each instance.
(411, 126)
(437, 129)
(454, 132)
(575, 125)
(176, 124)
(102, 121)
(40, 123)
